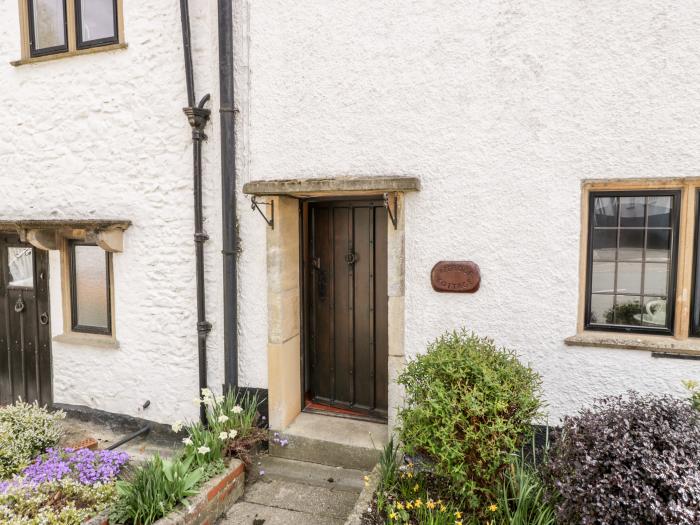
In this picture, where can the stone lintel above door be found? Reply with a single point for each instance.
(48, 234)
(335, 186)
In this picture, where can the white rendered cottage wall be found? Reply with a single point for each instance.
(104, 136)
(501, 108)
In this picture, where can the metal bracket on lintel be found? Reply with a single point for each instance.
(394, 216)
(255, 206)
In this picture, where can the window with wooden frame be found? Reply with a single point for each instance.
(55, 28)
(90, 274)
(640, 265)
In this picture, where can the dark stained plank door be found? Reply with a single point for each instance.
(25, 335)
(348, 326)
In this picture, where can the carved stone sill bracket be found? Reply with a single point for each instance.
(49, 234)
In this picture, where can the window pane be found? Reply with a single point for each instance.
(603, 277)
(632, 211)
(49, 23)
(601, 309)
(21, 263)
(629, 278)
(659, 210)
(605, 213)
(631, 244)
(654, 313)
(658, 245)
(97, 19)
(604, 245)
(656, 279)
(92, 301)
(628, 311)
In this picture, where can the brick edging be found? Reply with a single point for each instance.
(213, 500)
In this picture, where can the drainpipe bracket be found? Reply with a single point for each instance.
(204, 327)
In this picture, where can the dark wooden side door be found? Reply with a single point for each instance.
(348, 317)
(25, 335)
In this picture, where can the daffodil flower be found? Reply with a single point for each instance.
(232, 434)
(237, 409)
(223, 436)
(177, 426)
(187, 441)
(223, 418)
(204, 449)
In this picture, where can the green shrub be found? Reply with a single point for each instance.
(468, 406)
(154, 490)
(64, 502)
(26, 431)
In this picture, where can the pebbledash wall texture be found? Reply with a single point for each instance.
(501, 109)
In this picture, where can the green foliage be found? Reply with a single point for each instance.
(154, 490)
(469, 405)
(64, 502)
(26, 431)
(388, 466)
(523, 499)
(694, 388)
(203, 446)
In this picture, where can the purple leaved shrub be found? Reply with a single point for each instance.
(85, 466)
(627, 460)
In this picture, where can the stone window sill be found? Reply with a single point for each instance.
(76, 52)
(98, 341)
(659, 344)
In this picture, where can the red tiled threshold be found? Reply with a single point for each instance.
(215, 498)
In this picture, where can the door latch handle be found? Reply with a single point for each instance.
(19, 305)
(351, 258)
(44, 318)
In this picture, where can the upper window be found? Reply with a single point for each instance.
(60, 26)
(631, 263)
(90, 275)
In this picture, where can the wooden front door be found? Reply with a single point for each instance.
(25, 335)
(347, 317)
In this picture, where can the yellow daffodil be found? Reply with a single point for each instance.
(443, 508)
(458, 514)
(409, 505)
(410, 475)
(430, 504)
(458, 522)
(399, 505)
(493, 508)
(416, 487)
(393, 515)
(418, 503)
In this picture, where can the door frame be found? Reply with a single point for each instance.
(285, 366)
(306, 279)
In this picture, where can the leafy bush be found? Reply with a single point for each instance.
(469, 405)
(628, 460)
(25, 431)
(154, 490)
(64, 502)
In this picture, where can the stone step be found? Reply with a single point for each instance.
(314, 474)
(244, 513)
(277, 499)
(334, 441)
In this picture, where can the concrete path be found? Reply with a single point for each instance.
(297, 493)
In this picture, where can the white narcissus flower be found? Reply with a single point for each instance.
(232, 434)
(187, 441)
(237, 409)
(223, 436)
(223, 418)
(207, 393)
(204, 449)
(177, 426)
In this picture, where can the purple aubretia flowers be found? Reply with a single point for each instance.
(84, 466)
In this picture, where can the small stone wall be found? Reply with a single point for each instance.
(214, 499)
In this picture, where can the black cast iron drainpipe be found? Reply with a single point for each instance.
(228, 192)
(197, 116)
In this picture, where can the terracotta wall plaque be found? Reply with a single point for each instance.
(456, 277)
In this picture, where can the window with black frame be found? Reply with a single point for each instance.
(631, 263)
(90, 276)
(96, 24)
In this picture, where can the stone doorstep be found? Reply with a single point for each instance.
(213, 500)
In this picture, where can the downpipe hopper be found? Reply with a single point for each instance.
(198, 117)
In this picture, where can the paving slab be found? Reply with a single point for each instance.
(300, 497)
(244, 513)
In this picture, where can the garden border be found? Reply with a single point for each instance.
(213, 500)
